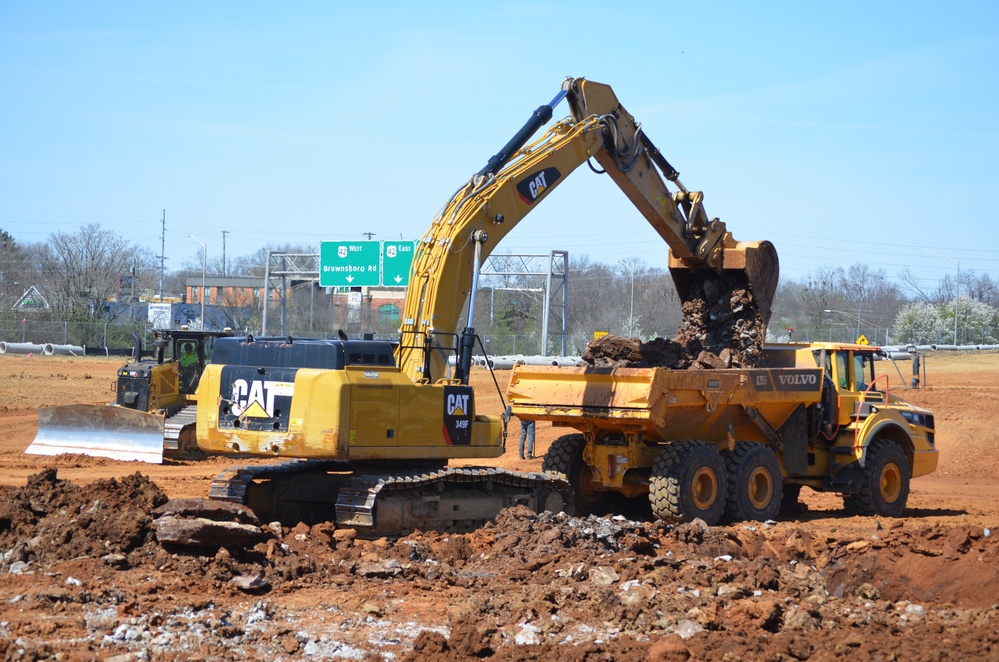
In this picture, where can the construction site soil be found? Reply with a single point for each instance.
(83, 575)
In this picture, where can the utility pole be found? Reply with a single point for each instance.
(204, 271)
(162, 254)
(224, 233)
(369, 235)
(631, 313)
(957, 284)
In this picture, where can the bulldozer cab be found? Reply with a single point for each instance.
(192, 350)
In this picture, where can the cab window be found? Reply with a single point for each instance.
(863, 368)
(843, 369)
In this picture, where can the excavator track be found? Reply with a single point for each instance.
(385, 504)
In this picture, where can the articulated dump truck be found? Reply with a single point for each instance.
(731, 444)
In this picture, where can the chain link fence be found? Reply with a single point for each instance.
(94, 337)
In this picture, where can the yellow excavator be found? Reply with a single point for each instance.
(369, 426)
(378, 422)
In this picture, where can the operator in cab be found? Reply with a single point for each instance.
(188, 367)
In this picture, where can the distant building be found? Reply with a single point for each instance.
(351, 306)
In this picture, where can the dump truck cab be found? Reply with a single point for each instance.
(863, 416)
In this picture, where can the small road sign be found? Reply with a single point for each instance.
(397, 258)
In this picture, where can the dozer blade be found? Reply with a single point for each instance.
(101, 431)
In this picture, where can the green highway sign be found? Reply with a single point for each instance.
(349, 263)
(397, 258)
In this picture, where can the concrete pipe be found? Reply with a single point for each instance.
(68, 350)
(503, 362)
(20, 348)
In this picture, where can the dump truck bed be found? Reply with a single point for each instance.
(664, 404)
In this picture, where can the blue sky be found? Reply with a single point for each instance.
(847, 132)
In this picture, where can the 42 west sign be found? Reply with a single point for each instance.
(365, 263)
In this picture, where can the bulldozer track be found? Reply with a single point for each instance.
(173, 427)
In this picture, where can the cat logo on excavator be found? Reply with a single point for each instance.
(458, 413)
(256, 398)
(534, 186)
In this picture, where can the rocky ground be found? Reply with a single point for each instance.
(84, 575)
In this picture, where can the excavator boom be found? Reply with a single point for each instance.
(489, 206)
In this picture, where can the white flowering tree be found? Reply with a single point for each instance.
(920, 323)
(924, 323)
(977, 321)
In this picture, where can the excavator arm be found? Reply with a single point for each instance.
(483, 211)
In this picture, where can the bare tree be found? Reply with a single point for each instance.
(82, 272)
(980, 288)
(820, 292)
(12, 270)
(911, 283)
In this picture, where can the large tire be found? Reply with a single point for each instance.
(885, 486)
(689, 482)
(755, 483)
(564, 459)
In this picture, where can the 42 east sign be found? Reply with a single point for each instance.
(365, 263)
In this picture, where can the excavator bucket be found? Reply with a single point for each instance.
(109, 431)
(750, 265)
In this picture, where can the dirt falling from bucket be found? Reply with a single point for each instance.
(722, 328)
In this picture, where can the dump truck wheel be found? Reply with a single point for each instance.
(755, 483)
(689, 482)
(564, 459)
(885, 486)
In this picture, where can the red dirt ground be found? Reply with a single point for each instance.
(82, 576)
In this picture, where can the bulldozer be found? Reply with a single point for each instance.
(154, 409)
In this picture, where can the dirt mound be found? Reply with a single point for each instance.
(722, 328)
(92, 577)
(614, 351)
(49, 519)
